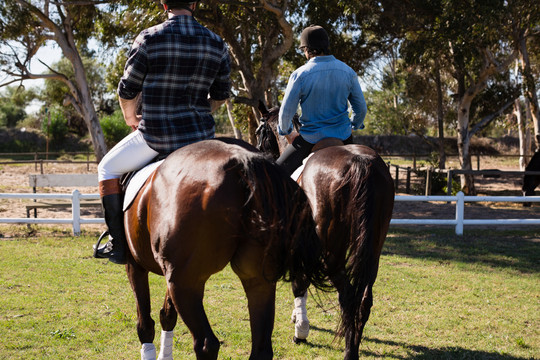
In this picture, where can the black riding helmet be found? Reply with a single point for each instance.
(314, 37)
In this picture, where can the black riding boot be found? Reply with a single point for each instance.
(115, 249)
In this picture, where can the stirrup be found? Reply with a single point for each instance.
(97, 245)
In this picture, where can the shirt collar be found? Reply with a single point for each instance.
(322, 58)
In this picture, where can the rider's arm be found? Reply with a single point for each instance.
(358, 105)
(220, 90)
(129, 110)
(289, 106)
(215, 104)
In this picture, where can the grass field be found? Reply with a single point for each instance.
(437, 296)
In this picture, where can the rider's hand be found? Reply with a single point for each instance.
(290, 138)
(133, 122)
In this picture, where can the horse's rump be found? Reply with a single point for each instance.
(221, 190)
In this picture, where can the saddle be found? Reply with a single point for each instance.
(133, 181)
(325, 143)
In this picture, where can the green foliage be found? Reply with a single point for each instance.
(57, 92)
(114, 128)
(13, 101)
(55, 126)
(10, 114)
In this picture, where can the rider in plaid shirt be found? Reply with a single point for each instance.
(181, 69)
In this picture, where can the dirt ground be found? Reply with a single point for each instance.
(14, 179)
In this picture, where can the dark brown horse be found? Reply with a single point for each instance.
(530, 182)
(210, 204)
(352, 196)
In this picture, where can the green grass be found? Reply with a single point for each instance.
(437, 296)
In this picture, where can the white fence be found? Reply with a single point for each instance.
(75, 219)
(459, 221)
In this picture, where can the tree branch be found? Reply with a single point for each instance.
(81, 2)
(488, 119)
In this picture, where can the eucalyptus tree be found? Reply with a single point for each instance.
(468, 39)
(26, 26)
(524, 29)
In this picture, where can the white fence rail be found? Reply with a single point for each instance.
(75, 219)
(459, 221)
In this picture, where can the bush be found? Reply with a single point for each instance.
(55, 126)
(114, 128)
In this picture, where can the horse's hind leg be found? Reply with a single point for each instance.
(188, 301)
(261, 296)
(167, 318)
(138, 278)
(299, 313)
(353, 336)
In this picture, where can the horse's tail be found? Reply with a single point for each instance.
(359, 211)
(279, 207)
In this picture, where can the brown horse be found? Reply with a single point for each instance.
(352, 196)
(207, 205)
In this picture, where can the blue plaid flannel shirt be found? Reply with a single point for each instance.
(176, 65)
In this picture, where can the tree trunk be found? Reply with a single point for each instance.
(88, 111)
(440, 117)
(530, 89)
(237, 132)
(463, 143)
(522, 130)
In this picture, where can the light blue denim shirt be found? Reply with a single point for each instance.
(322, 87)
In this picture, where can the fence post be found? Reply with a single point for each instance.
(460, 212)
(408, 182)
(76, 211)
(396, 180)
(449, 182)
(428, 180)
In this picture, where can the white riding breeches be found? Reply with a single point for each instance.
(131, 153)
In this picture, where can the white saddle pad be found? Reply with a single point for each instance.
(137, 181)
(296, 174)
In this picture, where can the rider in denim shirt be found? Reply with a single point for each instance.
(323, 87)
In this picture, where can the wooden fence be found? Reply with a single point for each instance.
(449, 174)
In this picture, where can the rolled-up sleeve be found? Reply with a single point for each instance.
(135, 70)
(221, 87)
(358, 105)
(289, 106)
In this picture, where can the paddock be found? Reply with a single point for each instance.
(438, 296)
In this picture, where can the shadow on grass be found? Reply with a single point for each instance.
(518, 249)
(419, 352)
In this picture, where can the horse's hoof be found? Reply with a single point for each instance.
(299, 341)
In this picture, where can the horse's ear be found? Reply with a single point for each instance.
(262, 108)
